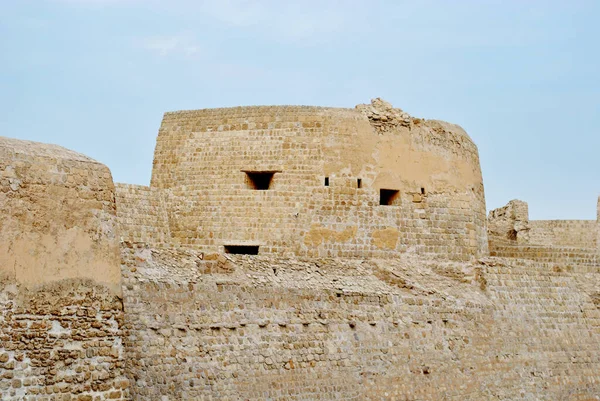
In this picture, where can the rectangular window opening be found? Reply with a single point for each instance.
(242, 249)
(422, 191)
(358, 183)
(326, 181)
(259, 180)
(389, 197)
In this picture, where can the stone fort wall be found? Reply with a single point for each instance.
(555, 256)
(511, 222)
(142, 215)
(261, 327)
(566, 233)
(560, 242)
(327, 168)
(60, 279)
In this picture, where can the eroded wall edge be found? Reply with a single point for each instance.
(60, 279)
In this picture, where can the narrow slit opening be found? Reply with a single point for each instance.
(326, 181)
(242, 249)
(358, 183)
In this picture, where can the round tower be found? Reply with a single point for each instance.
(312, 181)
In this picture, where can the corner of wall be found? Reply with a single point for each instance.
(598, 225)
(510, 222)
(142, 214)
(60, 276)
(59, 219)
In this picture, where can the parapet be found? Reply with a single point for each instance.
(58, 217)
(511, 223)
(567, 242)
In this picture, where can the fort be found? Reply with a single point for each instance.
(289, 253)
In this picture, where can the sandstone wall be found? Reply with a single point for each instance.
(564, 233)
(61, 342)
(233, 328)
(598, 228)
(203, 157)
(58, 216)
(509, 226)
(142, 215)
(509, 223)
(555, 256)
(60, 280)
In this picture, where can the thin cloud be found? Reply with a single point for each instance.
(178, 45)
(306, 20)
(96, 2)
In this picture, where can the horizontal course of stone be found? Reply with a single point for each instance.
(564, 233)
(227, 327)
(564, 256)
(142, 214)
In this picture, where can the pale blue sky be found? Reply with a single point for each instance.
(522, 77)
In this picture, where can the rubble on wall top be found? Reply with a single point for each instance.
(383, 116)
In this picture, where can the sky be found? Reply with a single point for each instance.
(522, 77)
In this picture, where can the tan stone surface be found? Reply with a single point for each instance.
(556, 242)
(263, 327)
(62, 341)
(58, 216)
(201, 157)
(142, 215)
(60, 278)
(511, 222)
(565, 233)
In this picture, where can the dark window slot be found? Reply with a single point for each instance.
(259, 180)
(326, 181)
(389, 197)
(242, 249)
(359, 183)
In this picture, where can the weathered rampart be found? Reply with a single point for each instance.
(559, 242)
(58, 216)
(60, 280)
(509, 223)
(260, 327)
(566, 233)
(556, 256)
